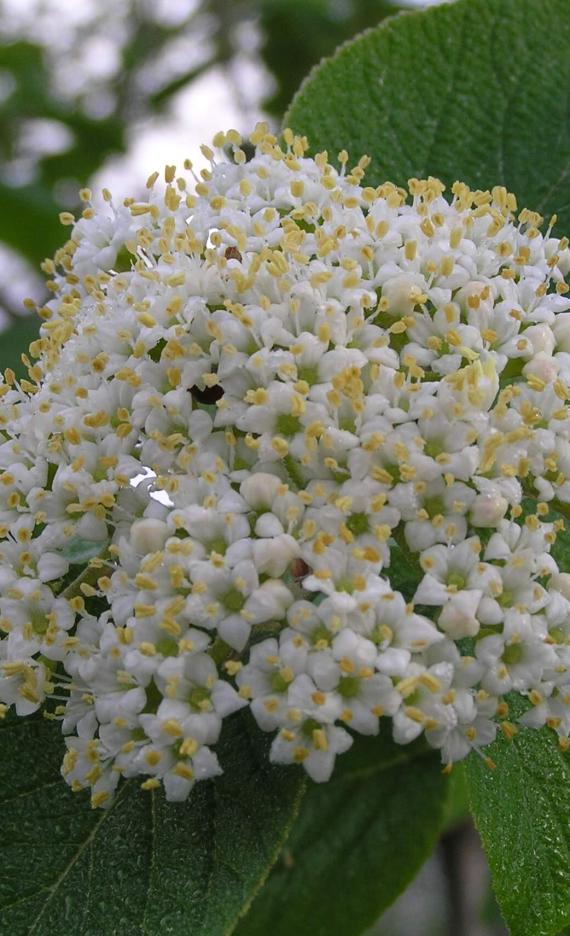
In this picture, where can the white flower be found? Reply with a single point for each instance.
(293, 443)
(313, 745)
(515, 659)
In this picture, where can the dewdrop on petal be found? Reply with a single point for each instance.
(274, 413)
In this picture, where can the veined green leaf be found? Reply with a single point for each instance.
(475, 90)
(144, 867)
(358, 841)
(522, 811)
(78, 551)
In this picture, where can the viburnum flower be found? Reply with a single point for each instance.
(293, 443)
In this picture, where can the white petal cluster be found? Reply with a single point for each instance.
(294, 443)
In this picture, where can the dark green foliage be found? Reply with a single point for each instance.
(522, 811)
(299, 33)
(144, 867)
(476, 90)
(357, 843)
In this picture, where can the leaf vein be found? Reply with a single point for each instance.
(54, 888)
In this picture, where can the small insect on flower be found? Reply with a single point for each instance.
(291, 442)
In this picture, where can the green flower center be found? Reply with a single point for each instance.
(198, 695)
(321, 633)
(358, 523)
(505, 599)
(39, 622)
(234, 600)
(513, 654)
(308, 726)
(434, 506)
(278, 684)
(394, 471)
(558, 635)
(434, 448)
(456, 579)
(287, 425)
(349, 687)
(218, 545)
(309, 374)
(167, 646)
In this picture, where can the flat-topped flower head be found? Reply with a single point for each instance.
(291, 442)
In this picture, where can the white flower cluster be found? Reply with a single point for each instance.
(293, 443)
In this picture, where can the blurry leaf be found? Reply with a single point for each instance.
(31, 91)
(94, 141)
(15, 340)
(29, 212)
(457, 802)
(297, 34)
(143, 866)
(358, 841)
(522, 811)
(475, 90)
(29, 221)
(176, 84)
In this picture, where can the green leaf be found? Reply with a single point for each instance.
(457, 802)
(359, 840)
(29, 221)
(405, 571)
(29, 212)
(15, 340)
(561, 548)
(475, 90)
(78, 550)
(521, 810)
(144, 867)
(296, 34)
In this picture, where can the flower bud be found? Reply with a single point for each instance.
(488, 509)
(401, 293)
(560, 582)
(561, 329)
(51, 566)
(457, 618)
(564, 261)
(273, 555)
(473, 291)
(148, 535)
(542, 366)
(270, 600)
(260, 489)
(541, 338)
(268, 525)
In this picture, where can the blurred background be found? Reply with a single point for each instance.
(102, 93)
